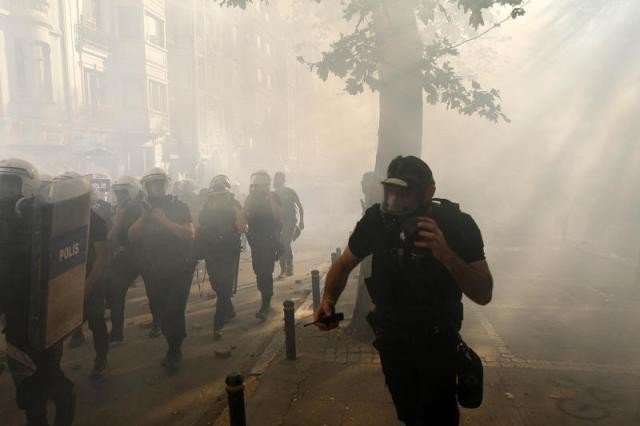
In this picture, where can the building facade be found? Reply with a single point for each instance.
(119, 86)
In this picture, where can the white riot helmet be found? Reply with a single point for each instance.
(23, 170)
(155, 183)
(261, 178)
(45, 179)
(128, 185)
(78, 187)
(220, 184)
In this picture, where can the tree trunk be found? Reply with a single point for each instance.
(400, 53)
(399, 50)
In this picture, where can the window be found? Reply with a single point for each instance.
(92, 13)
(259, 75)
(259, 41)
(157, 96)
(21, 68)
(42, 71)
(269, 81)
(94, 90)
(155, 30)
(268, 48)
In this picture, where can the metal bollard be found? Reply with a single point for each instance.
(289, 329)
(338, 252)
(235, 394)
(333, 257)
(315, 288)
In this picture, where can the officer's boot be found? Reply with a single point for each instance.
(173, 359)
(265, 307)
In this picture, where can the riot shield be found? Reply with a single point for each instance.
(58, 260)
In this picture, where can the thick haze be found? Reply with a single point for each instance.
(566, 166)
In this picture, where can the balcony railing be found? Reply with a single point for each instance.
(89, 32)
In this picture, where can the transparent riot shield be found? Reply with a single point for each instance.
(58, 260)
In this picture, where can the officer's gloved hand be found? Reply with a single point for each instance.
(326, 309)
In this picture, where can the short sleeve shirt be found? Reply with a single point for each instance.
(288, 198)
(158, 242)
(370, 226)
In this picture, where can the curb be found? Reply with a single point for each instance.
(277, 342)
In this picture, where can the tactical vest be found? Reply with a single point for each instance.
(409, 286)
(218, 226)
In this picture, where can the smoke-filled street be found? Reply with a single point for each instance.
(319, 212)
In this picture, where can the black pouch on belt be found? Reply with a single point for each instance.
(470, 376)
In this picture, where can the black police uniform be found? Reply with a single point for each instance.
(36, 373)
(167, 267)
(418, 310)
(219, 242)
(263, 236)
(124, 269)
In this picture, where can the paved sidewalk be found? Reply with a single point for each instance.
(337, 380)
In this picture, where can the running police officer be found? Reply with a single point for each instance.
(124, 263)
(36, 373)
(426, 254)
(95, 291)
(291, 227)
(263, 214)
(165, 233)
(218, 239)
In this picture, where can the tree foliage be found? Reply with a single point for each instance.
(354, 57)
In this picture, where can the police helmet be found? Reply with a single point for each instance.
(78, 187)
(219, 184)
(128, 184)
(30, 180)
(261, 178)
(155, 174)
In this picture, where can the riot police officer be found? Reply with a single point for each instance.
(95, 287)
(164, 233)
(291, 226)
(426, 254)
(36, 373)
(124, 263)
(218, 238)
(264, 218)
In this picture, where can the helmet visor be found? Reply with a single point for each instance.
(399, 200)
(156, 187)
(10, 186)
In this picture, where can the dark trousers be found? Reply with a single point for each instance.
(168, 293)
(94, 315)
(222, 267)
(263, 260)
(148, 280)
(421, 377)
(34, 390)
(123, 273)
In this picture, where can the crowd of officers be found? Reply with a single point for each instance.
(147, 231)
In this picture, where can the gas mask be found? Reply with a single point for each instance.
(122, 196)
(156, 188)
